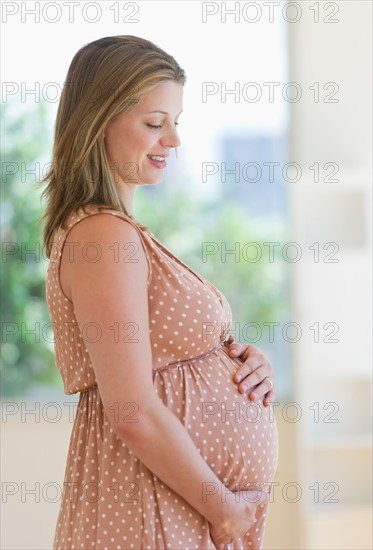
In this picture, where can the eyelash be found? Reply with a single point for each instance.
(159, 126)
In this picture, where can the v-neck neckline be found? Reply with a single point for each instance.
(180, 262)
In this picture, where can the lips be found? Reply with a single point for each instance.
(158, 155)
(157, 162)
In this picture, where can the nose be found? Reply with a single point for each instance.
(170, 138)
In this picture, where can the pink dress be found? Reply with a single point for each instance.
(110, 500)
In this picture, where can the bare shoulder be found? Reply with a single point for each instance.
(100, 246)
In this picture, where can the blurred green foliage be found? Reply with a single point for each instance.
(256, 290)
(26, 357)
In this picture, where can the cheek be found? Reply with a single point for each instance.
(128, 144)
(120, 148)
(144, 143)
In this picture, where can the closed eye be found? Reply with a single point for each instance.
(159, 126)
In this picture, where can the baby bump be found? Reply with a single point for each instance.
(238, 438)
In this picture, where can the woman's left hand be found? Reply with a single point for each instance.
(253, 371)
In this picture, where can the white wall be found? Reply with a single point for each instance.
(338, 212)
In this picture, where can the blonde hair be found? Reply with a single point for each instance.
(105, 79)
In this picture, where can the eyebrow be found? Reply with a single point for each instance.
(163, 112)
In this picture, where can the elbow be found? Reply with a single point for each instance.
(136, 420)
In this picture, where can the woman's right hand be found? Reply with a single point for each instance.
(240, 517)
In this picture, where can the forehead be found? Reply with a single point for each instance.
(165, 96)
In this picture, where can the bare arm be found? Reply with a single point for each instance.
(112, 292)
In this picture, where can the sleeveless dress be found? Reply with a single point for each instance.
(110, 500)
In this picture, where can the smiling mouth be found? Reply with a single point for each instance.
(158, 161)
(158, 157)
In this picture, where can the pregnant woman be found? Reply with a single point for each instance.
(167, 451)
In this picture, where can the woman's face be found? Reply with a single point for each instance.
(144, 132)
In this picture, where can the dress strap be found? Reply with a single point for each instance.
(79, 216)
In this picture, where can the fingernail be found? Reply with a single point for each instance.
(238, 377)
(255, 395)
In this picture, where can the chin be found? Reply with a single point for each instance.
(152, 180)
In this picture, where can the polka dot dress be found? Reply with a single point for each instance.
(110, 500)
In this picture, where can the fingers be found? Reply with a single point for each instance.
(263, 389)
(256, 497)
(249, 366)
(264, 498)
(252, 378)
(269, 398)
(236, 349)
(252, 373)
